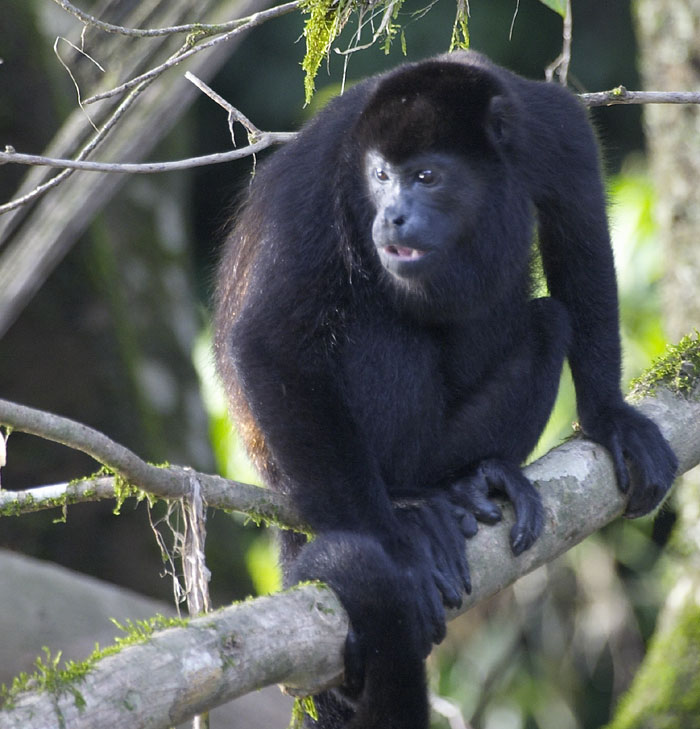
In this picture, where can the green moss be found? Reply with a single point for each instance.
(139, 631)
(195, 36)
(256, 519)
(124, 490)
(460, 28)
(678, 369)
(666, 691)
(51, 679)
(24, 502)
(326, 20)
(17, 506)
(302, 707)
(48, 678)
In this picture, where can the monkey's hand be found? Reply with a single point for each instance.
(645, 465)
(434, 557)
(495, 476)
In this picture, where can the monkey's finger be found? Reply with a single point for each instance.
(451, 596)
(472, 494)
(527, 504)
(621, 472)
(447, 539)
(431, 614)
(444, 541)
(652, 465)
(468, 524)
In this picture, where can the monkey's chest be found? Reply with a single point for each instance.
(395, 390)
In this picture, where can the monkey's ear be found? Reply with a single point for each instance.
(499, 121)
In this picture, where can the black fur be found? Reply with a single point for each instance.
(391, 397)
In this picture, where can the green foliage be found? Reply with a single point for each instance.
(559, 6)
(232, 462)
(392, 30)
(640, 265)
(231, 459)
(262, 563)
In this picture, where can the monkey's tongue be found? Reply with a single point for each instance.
(403, 252)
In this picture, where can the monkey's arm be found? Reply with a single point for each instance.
(578, 262)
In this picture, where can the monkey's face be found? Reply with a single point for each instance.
(425, 207)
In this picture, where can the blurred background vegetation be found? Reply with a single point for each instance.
(118, 337)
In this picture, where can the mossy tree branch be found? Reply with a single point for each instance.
(132, 474)
(296, 637)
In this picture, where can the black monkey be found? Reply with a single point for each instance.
(386, 363)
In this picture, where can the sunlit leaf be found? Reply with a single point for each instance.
(559, 6)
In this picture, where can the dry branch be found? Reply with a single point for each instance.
(613, 97)
(265, 140)
(620, 95)
(32, 245)
(202, 28)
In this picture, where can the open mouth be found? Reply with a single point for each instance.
(403, 254)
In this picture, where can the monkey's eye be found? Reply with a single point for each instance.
(381, 174)
(426, 177)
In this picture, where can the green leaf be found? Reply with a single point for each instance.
(559, 6)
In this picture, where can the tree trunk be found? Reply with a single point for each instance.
(665, 692)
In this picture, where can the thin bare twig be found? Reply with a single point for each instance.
(85, 152)
(189, 49)
(513, 19)
(202, 28)
(265, 140)
(560, 65)
(81, 50)
(234, 115)
(139, 84)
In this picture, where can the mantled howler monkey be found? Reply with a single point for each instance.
(386, 362)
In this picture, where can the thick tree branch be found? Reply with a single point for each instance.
(296, 638)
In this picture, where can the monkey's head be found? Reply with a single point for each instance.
(436, 142)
